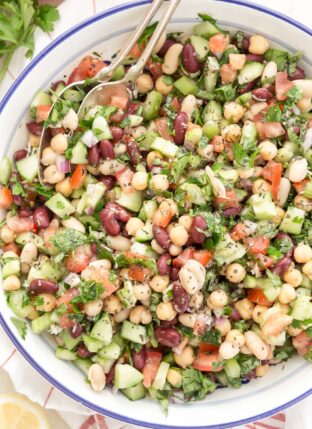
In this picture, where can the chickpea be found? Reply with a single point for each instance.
(257, 312)
(307, 269)
(223, 326)
(293, 276)
(165, 311)
(228, 350)
(261, 185)
(70, 120)
(93, 170)
(245, 308)
(233, 111)
(59, 143)
(52, 175)
(196, 301)
(235, 273)
(48, 304)
(112, 304)
(236, 337)
(140, 180)
(93, 308)
(258, 44)
(187, 319)
(175, 250)
(144, 83)
(303, 253)
(11, 283)
(133, 225)
(33, 140)
(178, 235)
(6, 235)
(280, 213)
(158, 249)
(267, 150)
(33, 314)
(217, 299)
(261, 370)
(140, 314)
(153, 158)
(186, 221)
(142, 291)
(303, 203)
(257, 171)
(245, 173)
(206, 152)
(287, 294)
(159, 183)
(164, 84)
(231, 133)
(186, 358)
(64, 187)
(174, 377)
(159, 283)
(48, 156)
(122, 315)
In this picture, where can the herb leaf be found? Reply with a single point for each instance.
(68, 240)
(20, 326)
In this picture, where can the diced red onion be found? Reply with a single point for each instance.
(62, 164)
(307, 140)
(89, 211)
(89, 139)
(72, 279)
(219, 321)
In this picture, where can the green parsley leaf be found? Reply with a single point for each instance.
(275, 279)
(195, 385)
(46, 17)
(278, 56)
(247, 363)
(147, 33)
(20, 325)
(284, 352)
(308, 355)
(206, 17)
(17, 189)
(274, 114)
(212, 337)
(225, 93)
(68, 239)
(124, 261)
(44, 191)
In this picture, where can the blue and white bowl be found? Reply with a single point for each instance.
(285, 384)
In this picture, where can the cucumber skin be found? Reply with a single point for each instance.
(134, 393)
(5, 171)
(126, 376)
(41, 324)
(152, 105)
(65, 354)
(28, 167)
(134, 333)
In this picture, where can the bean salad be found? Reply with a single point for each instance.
(170, 252)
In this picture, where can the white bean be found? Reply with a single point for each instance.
(29, 253)
(228, 350)
(283, 192)
(256, 345)
(268, 74)
(298, 170)
(160, 42)
(192, 276)
(119, 243)
(111, 166)
(101, 264)
(73, 223)
(188, 105)
(97, 377)
(305, 85)
(171, 60)
(305, 104)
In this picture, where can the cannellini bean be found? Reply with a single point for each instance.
(119, 243)
(29, 253)
(110, 167)
(192, 276)
(283, 192)
(97, 377)
(228, 350)
(256, 345)
(160, 42)
(298, 170)
(305, 85)
(171, 60)
(188, 105)
(101, 264)
(287, 294)
(73, 223)
(268, 74)
(305, 104)
(276, 323)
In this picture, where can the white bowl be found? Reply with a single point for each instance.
(285, 384)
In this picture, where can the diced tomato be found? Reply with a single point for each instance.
(282, 85)
(119, 101)
(302, 343)
(6, 198)
(78, 176)
(138, 273)
(66, 322)
(163, 129)
(175, 104)
(217, 43)
(182, 259)
(155, 69)
(75, 76)
(218, 144)
(124, 178)
(208, 348)
(238, 232)
(208, 362)
(230, 201)
(258, 244)
(264, 260)
(13, 247)
(227, 73)
(269, 130)
(19, 225)
(202, 256)
(130, 254)
(75, 263)
(150, 369)
(135, 51)
(273, 173)
(88, 67)
(67, 297)
(258, 297)
(109, 287)
(42, 112)
(300, 186)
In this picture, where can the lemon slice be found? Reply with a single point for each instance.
(18, 412)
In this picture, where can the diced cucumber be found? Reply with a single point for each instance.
(301, 308)
(250, 71)
(161, 376)
(177, 380)
(126, 376)
(148, 139)
(249, 134)
(30, 237)
(306, 282)
(11, 267)
(259, 198)
(143, 249)
(244, 98)
(276, 340)
(28, 167)
(73, 95)
(45, 268)
(92, 344)
(60, 205)
(126, 295)
(292, 221)
(303, 291)
(65, 354)
(169, 358)
(17, 301)
(111, 351)
(119, 72)
(201, 47)
(230, 175)
(264, 210)
(307, 192)
(193, 194)
(79, 154)
(106, 364)
(41, 99)
(133, 332)
(41, 324)
(232, 368)
(134, 393)
(131, 201)
(77, 193)
(58, 313)
(227, 250)
(186, 85)
(91, 197)
(270, 291)
(135, 120)
(213, 112)
(206, 29)
(249, 281)
(101, 128)
(102, 329)
(211, 129)
(5, 171)
(165, 147)
(83, 364)
(145, 234)
(152, 105)
(211, 73)
(69, 342)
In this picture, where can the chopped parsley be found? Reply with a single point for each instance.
(21, 326)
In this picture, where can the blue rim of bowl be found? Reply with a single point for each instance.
(7, 329)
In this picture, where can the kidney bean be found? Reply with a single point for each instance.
(161, 236)
(41, 217)
(111, 375)
(134, 152)
(254, 57)
(245, 44)
(117, 133)
(94, 248)
(299, 73)
(163, 50)
(281, 266)
(174, 273)
(248, 87)
(20, 154)
(133, 108)
(181, 298)
(139, 358)
(197, 236)
(42, 285)
(25, 212)
(232, 211)
(94, 155)
(122, 214)
(189, 59)
(167, 336)
(34, 128)
(172, 322)
(163, 264)
(76, 330)
(107, 149)
(179, 124)
(261, 94)
(56, 84)
(18, 200)
(109, 181)
(56, 131)
(83, 352)
(111, 215)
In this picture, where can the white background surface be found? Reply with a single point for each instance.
(74, 11)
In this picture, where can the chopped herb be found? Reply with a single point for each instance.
(68, 239)
(225, 93)
(17, 189)
(151, 335)
(21, 326)
(274, 114)
(38, 301)
(124, 261)
(247, 363)
(147, 33)
(44, 191)
(284, 352)
(275, 279)
(195, 385)
(212, 337)
(206, 17)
